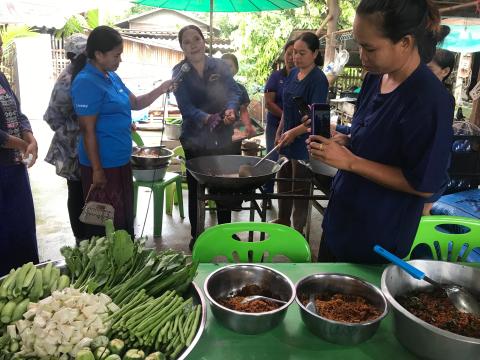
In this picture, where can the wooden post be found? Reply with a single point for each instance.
(475, 116)
(332, 24)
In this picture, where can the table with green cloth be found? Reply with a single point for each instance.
(291, 339)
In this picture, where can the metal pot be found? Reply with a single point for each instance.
(150, 157)
(421, 338)
(228, 280)
(221, 171)
(173, 131)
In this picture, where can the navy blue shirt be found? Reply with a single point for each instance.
(313, 89)
(197, 97)
(275, 84)
(95, 93)
(409, 128)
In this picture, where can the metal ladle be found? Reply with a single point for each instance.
(247, 170)
(260, 297)
(462, 299)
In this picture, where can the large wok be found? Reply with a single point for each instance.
(221, 171)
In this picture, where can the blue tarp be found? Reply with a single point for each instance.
(464, 39)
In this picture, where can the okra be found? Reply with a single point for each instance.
(27, 284)
(20, 309)
(7, 311)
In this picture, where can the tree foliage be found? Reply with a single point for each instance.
(259, 37)
(11, 32)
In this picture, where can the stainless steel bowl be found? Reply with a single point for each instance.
(160, 157)
(336, 331)
(149, 174)
(421, 338)
(228, 280)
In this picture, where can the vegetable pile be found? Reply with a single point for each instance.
(117, 300)
(64, 323)
(25, 284)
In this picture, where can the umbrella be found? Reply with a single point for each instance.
(212, 6)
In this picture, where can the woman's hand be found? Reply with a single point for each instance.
(341, 139)
(287, 137)
(99, 180)
(229, 117)
(166, 86)
(330, 152)
(250, 130)
(30, 153)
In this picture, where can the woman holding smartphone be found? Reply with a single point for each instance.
(308, 82)
(401, 136)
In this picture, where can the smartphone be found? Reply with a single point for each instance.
(320, 120)
(302, 105)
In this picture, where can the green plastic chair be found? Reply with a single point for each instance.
(453, 247)
(280, 240)
(159, 189)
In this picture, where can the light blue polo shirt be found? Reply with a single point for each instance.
(95, 93)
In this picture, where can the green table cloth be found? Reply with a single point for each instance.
(291, 340)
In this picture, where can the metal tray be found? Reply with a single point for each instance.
(194, 292)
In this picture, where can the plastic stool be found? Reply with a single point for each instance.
(158, 188)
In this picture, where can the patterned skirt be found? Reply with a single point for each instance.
(118, 192)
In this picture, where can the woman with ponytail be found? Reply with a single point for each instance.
(398, 150)
(309, 82)
(103, 105)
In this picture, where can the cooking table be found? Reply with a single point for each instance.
(291, 340)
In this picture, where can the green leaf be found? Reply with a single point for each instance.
(122, 247)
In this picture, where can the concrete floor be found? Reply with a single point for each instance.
(53, 227)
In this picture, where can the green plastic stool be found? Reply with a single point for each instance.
(461, 244)
(158, 188)
(172, 197)
(171, 191)
(280, 240)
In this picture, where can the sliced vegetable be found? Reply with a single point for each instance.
(99, 341)
(101, 353)
(134, 354)
(156, 356)
(116, 346)
(85, 354)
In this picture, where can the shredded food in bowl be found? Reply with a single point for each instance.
(435, 308)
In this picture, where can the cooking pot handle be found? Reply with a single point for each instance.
(282, 161)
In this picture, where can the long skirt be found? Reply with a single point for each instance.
(18, 239)
(118, 192)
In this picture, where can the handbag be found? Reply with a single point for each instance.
(96, 213)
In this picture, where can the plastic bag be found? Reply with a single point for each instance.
(335, 68)
(465, 128)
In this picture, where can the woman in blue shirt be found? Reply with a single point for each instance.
(208, 99)
(103, 105)
(274, 103)
(307, 81)
(400, 139)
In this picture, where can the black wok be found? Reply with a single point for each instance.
(221, 171)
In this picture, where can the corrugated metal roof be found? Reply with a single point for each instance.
(169, 39)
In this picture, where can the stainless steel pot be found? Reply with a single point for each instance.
(421, 338)
(150, 157)
(228, 280)
(221, 171)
